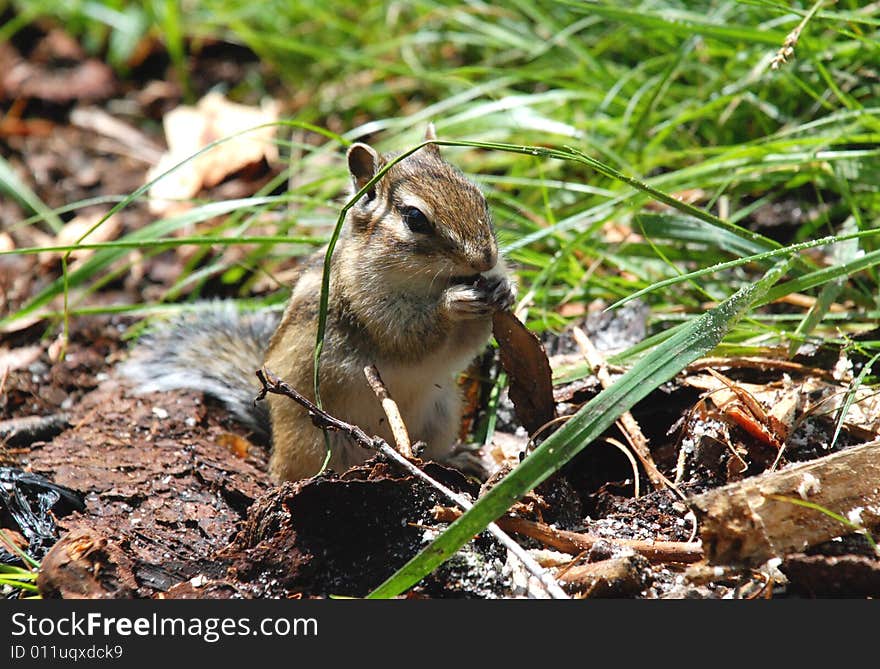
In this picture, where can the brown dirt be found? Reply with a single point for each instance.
(177, 501)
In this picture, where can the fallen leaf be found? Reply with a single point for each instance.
(791, 400)
(190, 129)
(524, 360)
(18, 358)
(88, 81)
(505, 449)
(237, 445)
(74, 229)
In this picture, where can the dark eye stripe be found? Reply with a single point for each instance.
(416, 220)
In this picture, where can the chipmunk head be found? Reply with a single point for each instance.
(424, 210)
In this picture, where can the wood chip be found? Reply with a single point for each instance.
(760, 518)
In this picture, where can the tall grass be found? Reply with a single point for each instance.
(662, 121)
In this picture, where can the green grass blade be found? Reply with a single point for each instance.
(10, 183)
(689, 343)
(850, 398)
(105, 257)
(822, 276)
(807, 281)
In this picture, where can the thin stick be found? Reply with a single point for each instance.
(273, 384)
(631, 429)
(389, 406)
(574, 543)
(759, 363)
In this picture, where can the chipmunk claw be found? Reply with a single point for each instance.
(500, 290)
(481, 298)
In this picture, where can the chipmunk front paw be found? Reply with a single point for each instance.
(501, 291)
(479, 298)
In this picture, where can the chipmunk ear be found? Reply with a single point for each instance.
(363, 163)
(431, 133)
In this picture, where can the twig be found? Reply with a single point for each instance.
(574, 543)
(395, 420)
(320, 418)
(25, 430)
(632, 461)
(273, 384)
(756, 362)
(630, 427)
(615, 577)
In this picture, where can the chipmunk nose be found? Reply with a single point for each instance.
(486, 260)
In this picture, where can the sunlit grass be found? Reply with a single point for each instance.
(19, 581)
(627, 150)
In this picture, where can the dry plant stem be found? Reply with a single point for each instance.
(631, 428)
(574, 543)
(25, 430)
(754, 362)
(743, 396)
(389, 406)
(574, 562)
(320, 418)
(760, 518)
(807, 302)
(615, 577)
(632, 461)
(131, 142)
(273, 384)
(786, 51)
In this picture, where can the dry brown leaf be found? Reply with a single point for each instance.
(524, 360)
(810, 395)
(18, 358)
(190, 129)
(88, 81)
(505, 449)
(77, 227)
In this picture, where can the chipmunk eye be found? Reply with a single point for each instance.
(415, 220)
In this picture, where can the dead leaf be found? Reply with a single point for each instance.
(88, 81)
(190, 129)
(18, 358)
(524, 360)
(505, 449)
(790, 400)
(237, 445)
(74, 229)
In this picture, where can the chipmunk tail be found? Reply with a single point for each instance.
(215, 349)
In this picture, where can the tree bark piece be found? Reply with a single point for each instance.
(832, 575)
(25, 430)
(762, 517)
(84, 564)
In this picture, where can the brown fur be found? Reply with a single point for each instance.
(394, 302)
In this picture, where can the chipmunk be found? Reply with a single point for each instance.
(414, 280)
